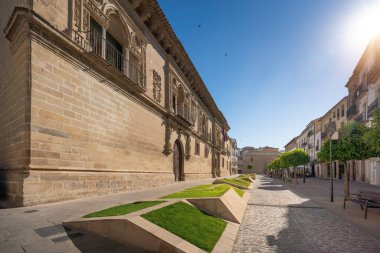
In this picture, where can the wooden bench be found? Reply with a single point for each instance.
(368, 199)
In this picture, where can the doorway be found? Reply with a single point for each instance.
(178, 161)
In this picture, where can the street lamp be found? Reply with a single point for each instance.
(304, 180)
(333, 136)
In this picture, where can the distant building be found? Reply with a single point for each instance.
(234, 156)
(259, 158)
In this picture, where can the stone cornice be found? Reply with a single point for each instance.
(155, 20)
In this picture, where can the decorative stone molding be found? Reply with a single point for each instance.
(77, 14)
(188, 147)
(93, 8)
(156, 86)
(86, 21)
(168, 132)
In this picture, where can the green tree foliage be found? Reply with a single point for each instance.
(249, 167)
(353, 146)
(372, 136)
(324, 153)
(294, 158)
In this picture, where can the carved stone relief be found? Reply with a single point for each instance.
(77, 11)
(156, 86)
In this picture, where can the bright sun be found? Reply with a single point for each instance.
(364, 25)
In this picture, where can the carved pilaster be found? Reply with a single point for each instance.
(77, 14)
(168, 132)
(188, 147)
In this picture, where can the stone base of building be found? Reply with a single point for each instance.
(34, 187)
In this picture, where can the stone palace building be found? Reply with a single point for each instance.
(259, 158)
(97, 97)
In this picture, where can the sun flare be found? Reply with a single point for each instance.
(364, 25)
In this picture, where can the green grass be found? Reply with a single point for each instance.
(189, 223)
(123, 209)
(245, 177)
(237, 181)
(238, 191)
(204, 191)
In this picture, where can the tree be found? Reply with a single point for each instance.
(372, 136)
(295, 158)
(324, 153)
(250, 168)
(275, 165)
(352, 146)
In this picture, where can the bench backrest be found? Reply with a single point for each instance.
(375, 196)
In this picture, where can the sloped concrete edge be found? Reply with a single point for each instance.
(138, 233)
(227, 240)
(230, 206)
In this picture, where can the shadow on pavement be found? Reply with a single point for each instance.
(87, 242)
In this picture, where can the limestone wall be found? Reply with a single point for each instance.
(73, 130)
(14, 108)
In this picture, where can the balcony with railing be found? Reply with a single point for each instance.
(184, 113)
(352, 111)
(310, 133)
(373, 106)
(374, 73)
(360, 118)
(96, 45)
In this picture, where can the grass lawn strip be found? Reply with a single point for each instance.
(189, 223)
(237, 181)
(203, 191)
(123, 209)
(238, 191)
(211, 191)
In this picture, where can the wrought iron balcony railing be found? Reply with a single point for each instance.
(373, 106)
(360, 118)
(352, 111)
(96, 44)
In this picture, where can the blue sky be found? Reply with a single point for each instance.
(287, 63)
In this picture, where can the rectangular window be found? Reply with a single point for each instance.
(96, 31)
(338, 113)
(342, 111)
(206, 150)
(223, 162)
(197, 148)
(114, 51)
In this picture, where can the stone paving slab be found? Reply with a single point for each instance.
(279, 220)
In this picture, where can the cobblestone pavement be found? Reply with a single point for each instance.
(279, 220)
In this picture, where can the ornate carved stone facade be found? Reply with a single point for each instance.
(88, 119)
(156, 86)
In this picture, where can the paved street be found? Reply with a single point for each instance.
(279, 218)
(39, 229)
(299, 218)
